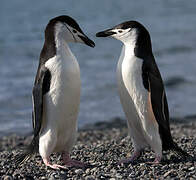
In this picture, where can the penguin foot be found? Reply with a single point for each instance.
(53, 166)
(72, 163)
(135, 156)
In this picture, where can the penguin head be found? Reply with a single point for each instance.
(65, 27)
(129, 31)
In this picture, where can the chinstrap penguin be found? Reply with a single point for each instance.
(141, 91)
(56, 93)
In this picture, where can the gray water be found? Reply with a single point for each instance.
(172, 25)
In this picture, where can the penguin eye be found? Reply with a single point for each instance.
(120, 31)
(74, 31)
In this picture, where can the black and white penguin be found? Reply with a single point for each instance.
(56, 93)
(141, 91)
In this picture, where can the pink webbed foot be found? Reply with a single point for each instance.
(135, 156)
(72, 163)
(53, 166)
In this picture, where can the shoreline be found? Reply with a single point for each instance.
(115, 122)
(103, 145)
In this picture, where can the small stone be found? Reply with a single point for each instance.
(63, 172)
(188, 164)
(191, 178)
(87, 171)
(94, 169)
(132, 175)
(78, 171)
(118, 176)
(89, 178)
(53, 176)
(7, 177)
(113, 171)
(43, 178)
(191, 168)
(167, 173)
(112, 179)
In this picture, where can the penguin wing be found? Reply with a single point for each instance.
(153, 83)
(41, 87)
(158, 100)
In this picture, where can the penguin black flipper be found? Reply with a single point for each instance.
(153, 83)
(41, 87)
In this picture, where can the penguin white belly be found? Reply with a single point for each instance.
(135, 101)
(61, 106)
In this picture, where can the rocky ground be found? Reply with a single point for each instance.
(103, 147)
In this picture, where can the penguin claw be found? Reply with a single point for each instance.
(56, 166)
(53, 166)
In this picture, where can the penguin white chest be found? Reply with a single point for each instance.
(130, 83)
(64, 91)
(61, 104)
(133, 95)
(132, 78)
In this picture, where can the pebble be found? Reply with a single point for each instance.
(103, 148)
(89, 178)
(78, 171)
(7, 178)
(191, 168)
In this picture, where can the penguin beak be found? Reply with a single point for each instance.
(87, 41)
(106, 33)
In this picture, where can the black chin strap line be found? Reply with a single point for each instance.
(70, 32)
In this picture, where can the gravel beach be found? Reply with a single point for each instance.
(102, 146)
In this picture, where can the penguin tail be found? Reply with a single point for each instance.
(179, 151)
(28, 152)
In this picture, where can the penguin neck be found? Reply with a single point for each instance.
(127, 55)
(129, 48)
(62, 48)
